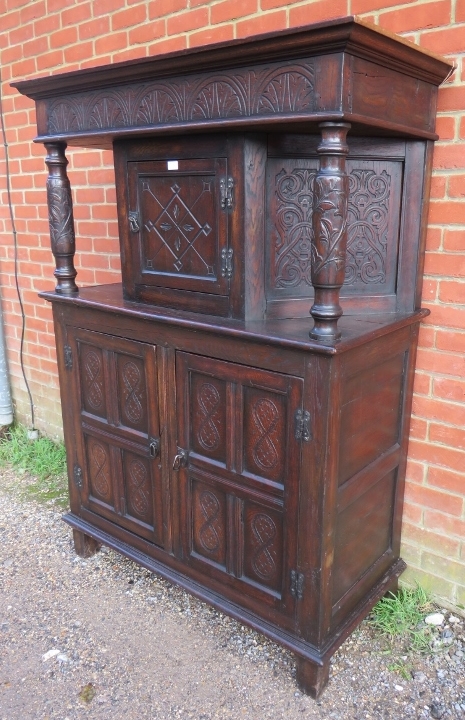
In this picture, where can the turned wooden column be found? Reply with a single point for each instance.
(60, 217)
(330, 196)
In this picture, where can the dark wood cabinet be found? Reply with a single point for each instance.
(216, 433)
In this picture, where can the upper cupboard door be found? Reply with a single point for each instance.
(178, 223)
(239, 488)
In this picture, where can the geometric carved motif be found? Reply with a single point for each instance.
(176, 230)
(208, 535)
(367, 225)
(100, 480)
(264, 532)
(268, 89)
(93, 381)
(132, 380)
(208, 399)
(265, 416)
(139, 488)
(368, 210)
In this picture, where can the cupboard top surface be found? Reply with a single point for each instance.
(289, 333)
(344, 69)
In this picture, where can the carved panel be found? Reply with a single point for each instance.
(132, 393)
(208, 412)
(209, 522)
(264, 433)
(274, 88)
(263, 545)
(372, 227)
(98, 458)
(178, 225)
(92, 380)
(138, 488)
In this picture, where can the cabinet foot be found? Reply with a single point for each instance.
(312, 678)
(84, 545)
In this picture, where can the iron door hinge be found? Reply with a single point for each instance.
(77, 475)
(133, 217)
(226, 193)
(226, 263)
(68, 353)
(297, 584)
(302, 425)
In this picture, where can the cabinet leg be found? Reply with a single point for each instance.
(312, 678)
(84, 545)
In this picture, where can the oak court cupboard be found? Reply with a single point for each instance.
(216, 432)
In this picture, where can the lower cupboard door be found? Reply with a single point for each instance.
(121, 484)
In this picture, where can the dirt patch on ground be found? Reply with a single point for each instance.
(104, 639)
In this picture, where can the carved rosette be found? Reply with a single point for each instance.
(330, 201)
(60, 216)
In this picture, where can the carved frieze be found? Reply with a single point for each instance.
(271, 89)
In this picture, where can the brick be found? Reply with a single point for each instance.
(460, 11)
(418, 428)
(422, 383)
(316, 11)
(418, 17)
(436, 542)
(33, 11)
(272, 4)
(426, 336)
(449, 389)
(454, 437)
(438, 186)
(148, 32)
(443, 567)
(103, 7)
(166, 7)
(413, 514)
(449, 156)
(76, 53)
(435, 585)
(445, 127)
(24, 68)
(50, 60)
(442, 264)
(446, 316)
(450, 340)
(21, 34)
(76, 14)
(411, 554)
(452, 292)
(434, 409)
(434, 499)
(211, 35)
(432, 454)
(129, 54)
(456, 186)
(415, 472)
(94, 28)
(454, 240)
(47, 25)
(134, 15)
(186, 21)
(446, 41)
(232, 10)
(462, 128)
(68, 36)
(452, 482)
(169, 45)
(265, 23)
(430, 289)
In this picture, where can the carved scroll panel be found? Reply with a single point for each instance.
(373, 226)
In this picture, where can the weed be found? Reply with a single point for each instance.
(43, 459)
(401, 668)
(401, 617)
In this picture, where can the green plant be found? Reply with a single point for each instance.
(401, 616)
(43, 459)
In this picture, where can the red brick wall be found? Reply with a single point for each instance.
(47, 36)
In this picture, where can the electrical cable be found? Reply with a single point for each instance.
(15, 243)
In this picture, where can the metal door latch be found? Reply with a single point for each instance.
(180, 460)
(133, 218)
(226, 193)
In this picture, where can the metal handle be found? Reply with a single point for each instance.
(154, 447)
(180, 460)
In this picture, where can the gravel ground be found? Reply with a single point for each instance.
(104, 639)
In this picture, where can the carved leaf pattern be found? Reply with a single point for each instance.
(264, 533)
(60, 216)
(329, 224)
(259, 91)
(369, 196)
(139, 490)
